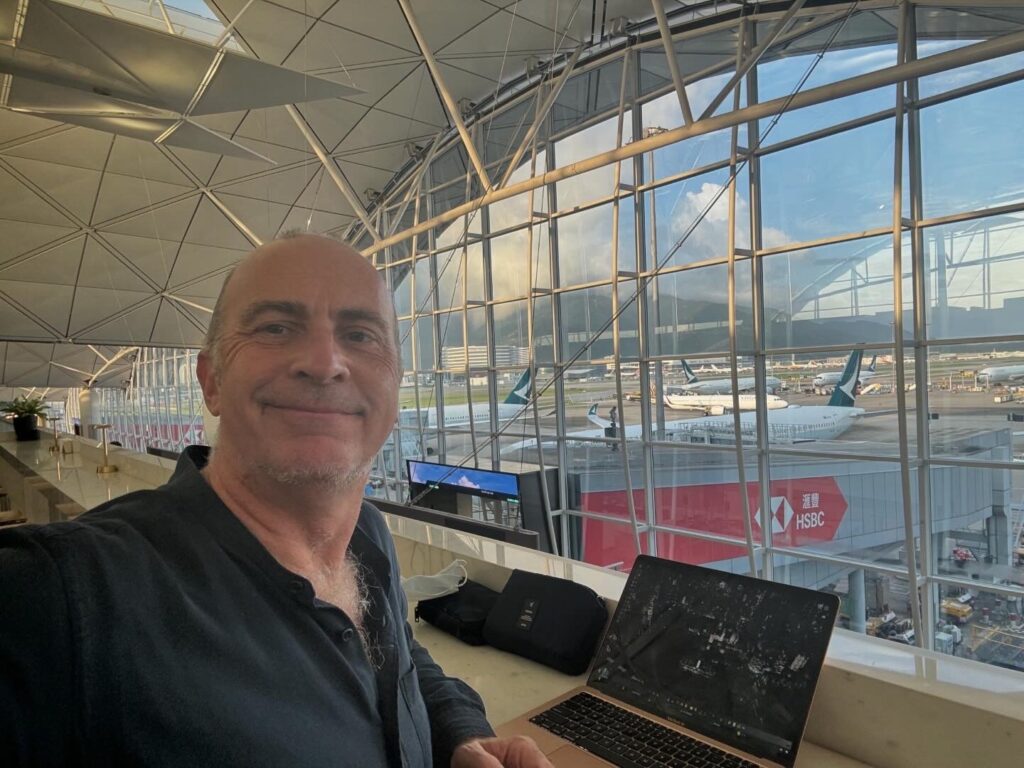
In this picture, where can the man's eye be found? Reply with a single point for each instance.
(360, 337)
(273, 329)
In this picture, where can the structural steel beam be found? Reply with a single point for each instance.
(748, 62)
(449, 102)
(673, 65)
(541, 114)
(971, 54)
(332, 169)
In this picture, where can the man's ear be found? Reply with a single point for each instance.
(208, 382)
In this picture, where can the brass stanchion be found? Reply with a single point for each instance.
(107, 468)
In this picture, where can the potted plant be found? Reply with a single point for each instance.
(26, 412)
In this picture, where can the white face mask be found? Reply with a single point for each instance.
(444, 582)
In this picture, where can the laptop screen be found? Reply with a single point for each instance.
(728, 656)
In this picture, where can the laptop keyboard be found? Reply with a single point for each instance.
(628, 740)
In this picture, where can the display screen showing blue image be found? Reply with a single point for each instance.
(479, 482)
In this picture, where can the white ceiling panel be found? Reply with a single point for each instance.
(19, 237)
(27, 374)
(168, 222)
(195, 261)
(261, 216)
(270, 31)
(416, 97)
(135, 327)
(16, 126)
(17, 324)
(74, 188)
(154, 258)
(280, 187)
(314, 221)
(46, 301)
(379, 20)
(326, 46)
(125, 194)
(211, 227)
(142, 160)
(77, 147)
(379, 127)
(331, 121)
(19, 203)
(173, 329)
(93, 305)
(101, 269)
(57, 265)
(231, 168)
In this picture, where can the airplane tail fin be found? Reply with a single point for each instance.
(691, 377)
(521, 390)
(595, 419)
(845, 392)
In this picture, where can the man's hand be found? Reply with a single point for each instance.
(511, 752)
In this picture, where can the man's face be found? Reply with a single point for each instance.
(307, 383)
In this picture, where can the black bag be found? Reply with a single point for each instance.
(552, 621)
(461, 613)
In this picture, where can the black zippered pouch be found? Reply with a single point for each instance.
(462, 614)
(552, 621)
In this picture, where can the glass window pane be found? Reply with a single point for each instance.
(835, 185)
(584, 246)
(969, 155)
(693, 214)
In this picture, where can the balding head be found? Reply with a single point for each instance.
(272, 254)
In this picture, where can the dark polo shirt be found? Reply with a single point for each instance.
(156, 630)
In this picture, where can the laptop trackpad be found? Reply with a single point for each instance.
(569, 756)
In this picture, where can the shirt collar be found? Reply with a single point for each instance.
(199, 500)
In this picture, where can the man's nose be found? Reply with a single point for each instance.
(320, 357)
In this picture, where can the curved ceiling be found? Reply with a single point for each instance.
(109, 240)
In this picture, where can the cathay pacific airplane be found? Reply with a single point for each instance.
(1000, 374)
(831, 378)
(458, 415)
(723, 386)
(719, 404)
(794, 424)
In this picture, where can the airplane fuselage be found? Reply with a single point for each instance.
(724, 386)
(1001, 374)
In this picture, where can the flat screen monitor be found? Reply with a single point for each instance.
(477, 482)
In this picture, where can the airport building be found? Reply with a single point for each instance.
(738, 284)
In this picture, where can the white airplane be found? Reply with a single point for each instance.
(716, 405)
(458, 415)
(796, 423)
(832, 377)
(1000, 374)
(723, 386)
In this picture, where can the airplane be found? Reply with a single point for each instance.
(832, 377)
(458, 415)
(1000, 374)
(794, 424)
(723, 386)
(718, 404)
(87, 68)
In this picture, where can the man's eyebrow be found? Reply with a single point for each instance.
(361, 316)
(256, 309)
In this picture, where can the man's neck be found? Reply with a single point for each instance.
(305, 528)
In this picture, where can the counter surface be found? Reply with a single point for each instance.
(511, 686)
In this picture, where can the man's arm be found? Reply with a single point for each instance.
(455, 710)
(37, 705)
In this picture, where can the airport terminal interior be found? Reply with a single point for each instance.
(738, 284)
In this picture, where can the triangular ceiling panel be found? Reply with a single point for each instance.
(314, 221)
(74, 188)
(379, 127)
(234, 168)
(273, 126)
(373, 18)
(92, 305)
(173, 329)
(281, 187)
(201, 164)
(18, 126)
(18, 325)
(20, 237)
(26, 374)
(211, 227)
(19, 203)
(331, 121)
(134, 327)
(194, 261)
(204, 292)
(323, 194)
(50, 303)
(168, 222)
(58, 265)
(101, 269)
(327, 46)
(261, 216)
(124, 194)
(376, 80)
(154, 258)
(143, 160)
(62, 377)
(78, 147)
(267, 29)
(416, 97)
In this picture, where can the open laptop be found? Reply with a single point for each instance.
(697, 668)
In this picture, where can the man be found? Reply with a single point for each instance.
(249, 612)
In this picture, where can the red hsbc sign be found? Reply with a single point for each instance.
(801, 511)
